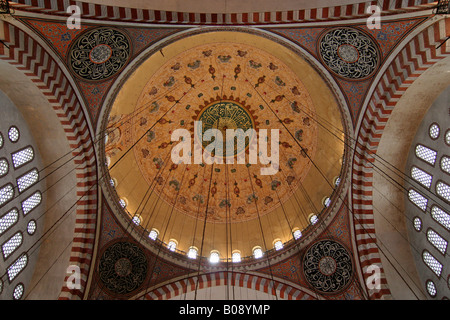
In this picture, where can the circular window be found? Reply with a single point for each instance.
(431, 288)
(434, 131)
(31, 227)
(417, 223)
(1, 140)
(18, 292)
(13, 134)
(447, 137)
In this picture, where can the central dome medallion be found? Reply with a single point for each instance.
(224, 86)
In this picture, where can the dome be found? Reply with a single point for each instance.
(188, 185)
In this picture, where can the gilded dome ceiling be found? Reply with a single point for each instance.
(223, 80)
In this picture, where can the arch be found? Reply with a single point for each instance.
(31, 58)
(258, 282)
(416, 56)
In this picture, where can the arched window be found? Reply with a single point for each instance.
(445, 164)
(27, 180)
(6, 194)
(257, 252)
(136, 219)
(172, 245)
(214, 256)
(4, 167)
(432, 263)
(12, 244)
(297, 233)
(418, 199)
(443, 190)
(313, 218)
(192, 252)
(441, 217)
(437, 241)
(278, 244)
(8, 219)
(426, 154)
(31, 202)
(421, 176)
(22, 157)
(236, 256)
(153, 234)
(17, 266)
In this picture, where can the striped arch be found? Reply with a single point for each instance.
(116, 13)
(243, 280)
(415, 57)
(31, 58)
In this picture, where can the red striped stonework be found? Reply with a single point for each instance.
(417, 55)
(31, 58)
(113, 13)
(242, 280)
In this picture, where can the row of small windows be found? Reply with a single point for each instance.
(19, 159)
(440, 216)
(215, 256)
(7, 193)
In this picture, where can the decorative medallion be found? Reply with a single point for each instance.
(223, 115)
(327, 266)
(99, 54)
(123, 268)
(349, 53)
